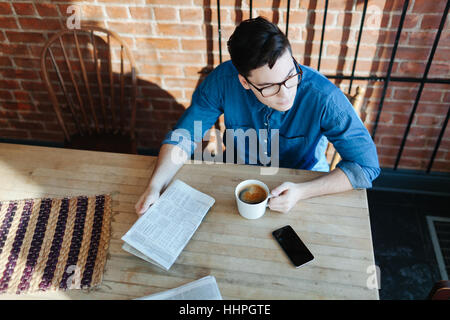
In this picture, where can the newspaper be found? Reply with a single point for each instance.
(163, 231)
(202, 289)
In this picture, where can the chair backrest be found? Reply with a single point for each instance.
(81, 80)
(356, 100)
(440, 291)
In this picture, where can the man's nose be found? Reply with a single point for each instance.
(283, 91)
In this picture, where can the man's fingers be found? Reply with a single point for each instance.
(147, 202)
(278, 190)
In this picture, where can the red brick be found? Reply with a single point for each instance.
(411, 163)
(424, 120)
(170, 29)
(20, 74)
(400, 119)
(420, 38)
(24, 9)
(411, 68)
(408, 53)
(134, 27)
(47, 9)
(33, 86)
(141, 13)
(432, 96)
(22, 96)
(5, 62)
(441, 165)
(26, 125)
(439, 70)
(427, 6)
(405, 94)
(14, 133)
(160, 70)
(117, 12)
(26, 37)
(40, 24)
(417, 153)
(157, 43)
(37, 116)
(27, 63)
(5, 8)
(18, 106)
(9, 84)
(8, 23)
(431, 21)
(5, 95)
(194, 14)
(165, 13)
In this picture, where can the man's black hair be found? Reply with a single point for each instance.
(255, 43)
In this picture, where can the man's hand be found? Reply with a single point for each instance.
(285, 197)
(170, 159)
(148, 198)
(288, 194)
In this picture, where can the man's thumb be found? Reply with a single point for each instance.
(278, 190)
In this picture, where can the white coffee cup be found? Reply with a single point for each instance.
(248, 210)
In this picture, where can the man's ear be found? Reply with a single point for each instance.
(244, 82)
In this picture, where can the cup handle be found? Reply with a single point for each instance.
(270, 196)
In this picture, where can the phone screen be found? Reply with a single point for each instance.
(295, 249)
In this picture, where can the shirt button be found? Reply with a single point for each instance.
(265, 152)
(265, 123)
(265, 140)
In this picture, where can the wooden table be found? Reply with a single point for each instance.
(240, 253)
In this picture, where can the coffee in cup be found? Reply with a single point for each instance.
(252, 194)
(251, 198)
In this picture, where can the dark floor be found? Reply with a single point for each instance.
(402, 244)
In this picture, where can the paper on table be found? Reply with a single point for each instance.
(167, 226)
(202, 289)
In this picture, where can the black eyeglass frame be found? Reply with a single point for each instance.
(279, 84)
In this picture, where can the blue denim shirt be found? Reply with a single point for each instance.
(320, 113)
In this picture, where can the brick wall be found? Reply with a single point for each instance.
(173, 41)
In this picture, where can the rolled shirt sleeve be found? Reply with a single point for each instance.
(205, 109)
(345, 130)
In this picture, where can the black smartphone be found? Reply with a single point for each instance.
(293, 246)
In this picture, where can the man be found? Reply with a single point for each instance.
(263, 87)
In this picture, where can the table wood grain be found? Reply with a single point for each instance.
(241, 254)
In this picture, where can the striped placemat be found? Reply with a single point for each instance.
(53, 244)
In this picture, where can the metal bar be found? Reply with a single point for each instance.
(251, 8)
(287, 16)
(357, 45)
(391, 63)
(422, 84)
(323, 33)
(392, 79)
(438, 142)
(220, 31)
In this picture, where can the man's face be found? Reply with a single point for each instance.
(264, 76)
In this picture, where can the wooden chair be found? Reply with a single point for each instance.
(440, 291)
(356, 100)
(101, 123)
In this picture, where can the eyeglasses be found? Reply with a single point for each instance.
(273, 89)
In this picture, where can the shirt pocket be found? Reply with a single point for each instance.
(292, 150)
